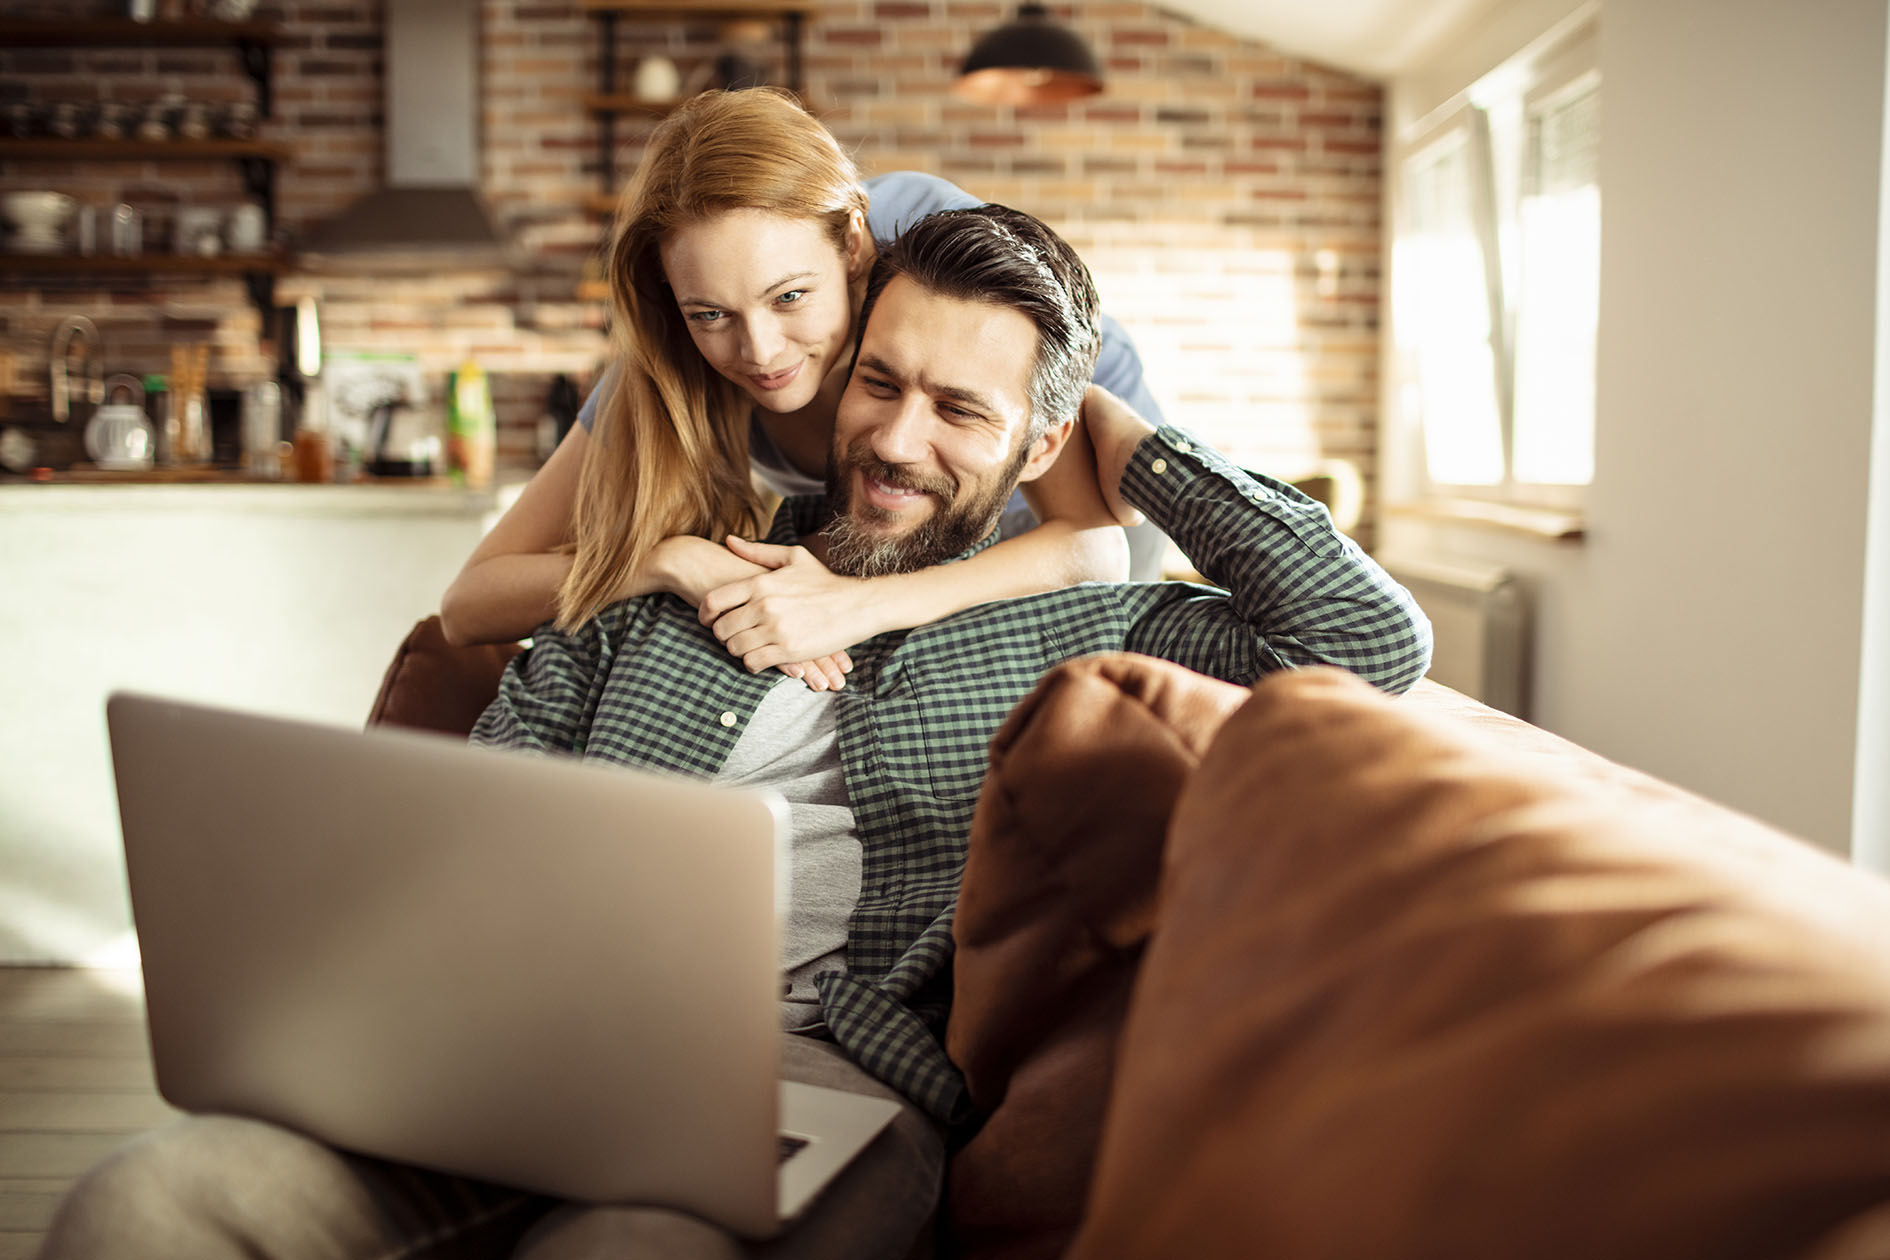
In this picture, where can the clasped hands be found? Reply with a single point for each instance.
(774, 607)
(781, 608)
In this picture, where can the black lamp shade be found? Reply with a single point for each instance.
(1031, 61)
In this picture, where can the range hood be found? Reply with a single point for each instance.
(428, 210)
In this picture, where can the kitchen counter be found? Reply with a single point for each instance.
(229, 493)
(269, 596)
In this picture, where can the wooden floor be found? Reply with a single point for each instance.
(75, 1081)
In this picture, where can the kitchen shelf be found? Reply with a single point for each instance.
(620, 103)
(254, 41)
(123, 32)
(53, 149)
(258, 160)
(608, 102)
(259, 271)
(671, 8)
(89, 263)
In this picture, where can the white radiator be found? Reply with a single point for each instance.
(1480, 621)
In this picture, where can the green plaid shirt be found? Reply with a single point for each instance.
(644, 684)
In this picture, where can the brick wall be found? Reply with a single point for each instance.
(1226, 196)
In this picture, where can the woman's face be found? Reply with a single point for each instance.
(767, 300)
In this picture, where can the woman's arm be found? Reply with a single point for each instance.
(801, 609)
(508, 587)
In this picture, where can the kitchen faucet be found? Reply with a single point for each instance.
(80, 326)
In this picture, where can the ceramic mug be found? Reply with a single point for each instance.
(198, 231)
(249, 229)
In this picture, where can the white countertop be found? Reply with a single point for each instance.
(432, 497)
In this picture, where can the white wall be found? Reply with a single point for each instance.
(288, 600)
(1710, 628)
(1871, 819)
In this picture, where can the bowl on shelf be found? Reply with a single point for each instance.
(37, 220)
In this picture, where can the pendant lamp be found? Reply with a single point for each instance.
(1030, 61)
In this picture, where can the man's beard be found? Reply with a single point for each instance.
(855, 549)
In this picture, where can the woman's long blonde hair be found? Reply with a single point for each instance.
(669, 448)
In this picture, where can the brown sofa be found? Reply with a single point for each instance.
(1306, 971)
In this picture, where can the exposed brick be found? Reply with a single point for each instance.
(317, 67)
(1210, 165)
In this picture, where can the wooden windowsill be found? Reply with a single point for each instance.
(1552, 524)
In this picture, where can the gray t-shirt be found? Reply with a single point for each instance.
(792, 745)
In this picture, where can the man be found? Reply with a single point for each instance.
(978, 336)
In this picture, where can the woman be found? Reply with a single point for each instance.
(736, 266)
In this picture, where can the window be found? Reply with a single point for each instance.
(1444, 293)
(1497, 284)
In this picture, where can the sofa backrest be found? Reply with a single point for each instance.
(1422, 986)
(430, 685)
(1057, 902)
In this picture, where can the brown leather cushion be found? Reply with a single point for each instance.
(1057, 900)
(1417, 993)
(433, 686)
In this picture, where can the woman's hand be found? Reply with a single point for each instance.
(695, 568)
(1115, 430)
(691, 567)
(796, 610)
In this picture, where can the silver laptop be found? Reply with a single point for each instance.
(550, 975)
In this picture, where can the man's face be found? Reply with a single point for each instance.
(928, 441)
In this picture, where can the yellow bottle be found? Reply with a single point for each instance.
(471, 431)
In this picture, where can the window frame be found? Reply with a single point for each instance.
(1495, 118)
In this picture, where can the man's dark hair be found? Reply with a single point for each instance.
(1006, 258)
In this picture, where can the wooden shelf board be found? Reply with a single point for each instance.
(623, 103)
(56, 150)
(671, 8)
(137, 264)
(124, 33)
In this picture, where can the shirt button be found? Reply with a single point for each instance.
(1183, 447)
(728, 719)
(1159, 467)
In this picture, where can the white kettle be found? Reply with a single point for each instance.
(119, 437)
